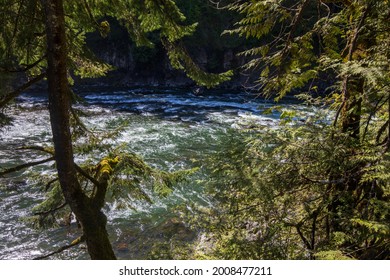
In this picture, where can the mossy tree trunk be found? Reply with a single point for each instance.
(87, 211)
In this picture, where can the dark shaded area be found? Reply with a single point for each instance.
(143, 66)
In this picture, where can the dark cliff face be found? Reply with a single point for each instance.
(143, 66)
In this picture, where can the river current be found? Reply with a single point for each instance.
(170, 129)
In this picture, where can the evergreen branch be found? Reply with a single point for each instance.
(217, 5)
(294, 26)
(11, 95)
(371, 115)
(63, 248)
(327, 8)
(181, 60)
(48, 185)
(37, 148)
(355, 35)
(86, 175)
(80, 123)
(338, 115)
(88, 9)
(15, 26)
(324, 182)
(27, 66)
(45, 213)
(78, 168)
(26, 165)
(299, 231)
(90, 14)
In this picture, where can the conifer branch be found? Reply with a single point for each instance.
(294, 26)
(26, 165)
(11, 95)
(89, 11)
(372, 114)
(86, 175)
(50, 151)
(51, 211)
(26, 67)
(324, 182)
(80, 123)
(37, 148)
(63, 248)
(48, 185)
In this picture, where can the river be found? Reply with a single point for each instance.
(170, 129)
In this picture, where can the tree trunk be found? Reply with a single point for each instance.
(92, 220)
(351, 112)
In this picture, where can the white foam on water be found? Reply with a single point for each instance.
(170, 142)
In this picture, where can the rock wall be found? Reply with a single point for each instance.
(142, 66)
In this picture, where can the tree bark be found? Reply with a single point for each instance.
(351, 112)
(92, 220)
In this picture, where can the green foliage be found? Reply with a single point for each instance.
(317, 186)
(133, 178)
(23, 38)
(286, 193)
(23, 48)
(21, 41)
(181, 60)
(331, 255)
(127, 177)
(300, 43)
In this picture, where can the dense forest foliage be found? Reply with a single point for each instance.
(318, 187)
(314, 187)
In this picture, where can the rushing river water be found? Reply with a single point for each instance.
(170, 129)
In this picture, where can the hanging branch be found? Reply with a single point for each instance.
(50, 151)
(90, 14)
(11, 95)
(371, 115)
(26, 165)
(63, 248)
(294, 26)
(86, 175)
(45, 213)
(48, 185)
(324, 182)
(37, 148)
(26, 66)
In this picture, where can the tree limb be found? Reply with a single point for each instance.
(11, 95)
(63, 248)
(51, 210)
(294, 26)
(37, 148)
(26, 67)
(86, 175)
(50, 151)
(325, 182)
(48, 185)
(26, 165)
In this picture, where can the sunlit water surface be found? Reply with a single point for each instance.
(170, 129)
